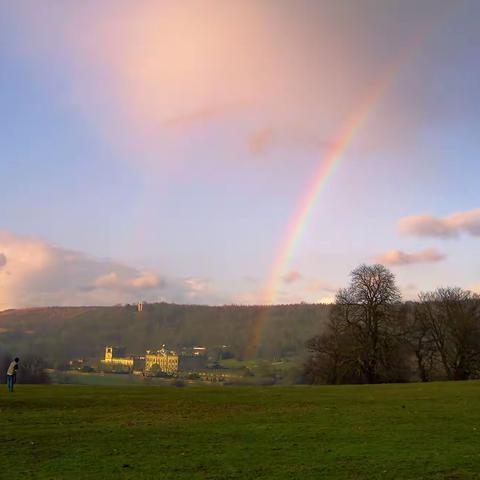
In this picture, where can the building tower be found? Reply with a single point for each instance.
(108, 353)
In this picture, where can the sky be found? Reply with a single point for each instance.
(163, 150)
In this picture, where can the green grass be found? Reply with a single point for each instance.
(348, 432)
(103, 379)
(280, 365)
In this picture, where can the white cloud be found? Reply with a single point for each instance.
(475, 289)
(141, 281)
(197, 284)
(304, 290)
(324, 292)
(399, 257)
(327, 300)
(321, 286)
(146, 280)
(409, 291)
(249, 298)
(450, 226)
(106, 281)
(197, 289)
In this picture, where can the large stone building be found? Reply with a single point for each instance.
(162, 360)
(170, 362)
(155, 362)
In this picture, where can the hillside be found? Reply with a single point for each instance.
(60, 333)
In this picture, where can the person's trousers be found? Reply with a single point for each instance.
(10, 382)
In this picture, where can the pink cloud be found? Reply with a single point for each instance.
(450, 226)
(261, 141)
(399, 257)
(321, 286)
(268, 138)
(292, 276)
(36, 273)
(197, 116)
(107, 280)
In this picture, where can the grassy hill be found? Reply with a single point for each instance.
(61, 333)
(411, 431)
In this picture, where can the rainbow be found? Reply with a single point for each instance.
(326, 170)
(329, 164)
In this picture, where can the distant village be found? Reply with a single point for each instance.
(154, 363)
(188, 362)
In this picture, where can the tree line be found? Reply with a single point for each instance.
(374, 337)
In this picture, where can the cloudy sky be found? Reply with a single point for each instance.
(159, 150)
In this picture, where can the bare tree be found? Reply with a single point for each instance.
(32, 369)
(366, 309)
(451, 317)
(332, 357)
(361, 343)
(5, 359)
(417, 335)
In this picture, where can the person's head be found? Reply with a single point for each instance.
(16, 359)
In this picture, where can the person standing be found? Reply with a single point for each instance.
(12, 374)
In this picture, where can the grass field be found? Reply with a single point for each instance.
(410, 431)
(104, 379)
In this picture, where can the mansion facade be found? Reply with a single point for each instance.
(156, 362)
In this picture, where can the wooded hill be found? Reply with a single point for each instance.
(62, 333)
